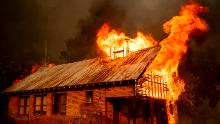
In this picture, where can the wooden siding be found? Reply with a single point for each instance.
(77, 109)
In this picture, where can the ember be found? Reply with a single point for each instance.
(180, 30)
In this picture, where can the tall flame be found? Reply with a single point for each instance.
(112, 41)
(180, 30)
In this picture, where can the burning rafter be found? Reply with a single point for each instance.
(152, 85)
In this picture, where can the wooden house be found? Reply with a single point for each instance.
(93, 91)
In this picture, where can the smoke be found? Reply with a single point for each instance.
(25, 25)
(149, 15)
(203, 59)
(128, 16)
(200, 70)
(83, 45)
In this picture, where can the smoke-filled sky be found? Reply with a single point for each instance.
(25, 25)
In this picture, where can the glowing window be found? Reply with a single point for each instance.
(24, 103)
(40, 105)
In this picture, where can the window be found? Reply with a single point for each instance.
(40, 105)
(59, 104)
(89, 96)
(24, 104)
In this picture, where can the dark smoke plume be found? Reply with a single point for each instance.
(199, 104)
(83, 45)
(25, 24)
(202, 62)
(128, 16)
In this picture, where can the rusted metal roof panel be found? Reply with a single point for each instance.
(89, 71)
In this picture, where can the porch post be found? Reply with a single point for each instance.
(106, 111)
(134, 110)
(134, 105)
(152, 111)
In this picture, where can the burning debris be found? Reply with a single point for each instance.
(180, 30)
(152, 85)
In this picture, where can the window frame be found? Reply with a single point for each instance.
(42, 105)
(89, 94)
(25, 106)
(60, 104)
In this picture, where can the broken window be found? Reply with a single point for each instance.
(40, 104)
(24, 103)
(59, 104)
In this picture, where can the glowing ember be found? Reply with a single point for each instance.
(117, 44)
(34, 68)
(50, 65)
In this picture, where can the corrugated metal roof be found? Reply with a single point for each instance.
(89, 71)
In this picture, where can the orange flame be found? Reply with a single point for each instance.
(34, 68)
(111, 41)
(173, 48)
(50, 65)
(180, 30)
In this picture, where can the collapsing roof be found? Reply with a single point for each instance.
(89, 71)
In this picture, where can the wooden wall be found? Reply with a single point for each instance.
(78, 111)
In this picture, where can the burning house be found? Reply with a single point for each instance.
(137, 83)
(90, 91)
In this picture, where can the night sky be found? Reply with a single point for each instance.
(25, 25)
